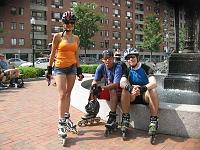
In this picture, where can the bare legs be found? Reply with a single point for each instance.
(64, 85)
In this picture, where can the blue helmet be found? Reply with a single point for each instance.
(130, 51)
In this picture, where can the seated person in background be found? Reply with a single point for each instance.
(2, 74)
(12, 73)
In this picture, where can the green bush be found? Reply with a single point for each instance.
(89, 68)
(31, 72)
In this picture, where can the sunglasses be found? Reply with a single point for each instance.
(68, 22)
(131, 56)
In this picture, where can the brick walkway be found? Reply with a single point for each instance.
(28, 121)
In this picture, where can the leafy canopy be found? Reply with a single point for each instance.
(152, 36)
(88, 22)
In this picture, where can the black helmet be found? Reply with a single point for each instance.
(92, 107)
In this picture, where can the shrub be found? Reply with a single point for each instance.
(31, 72)
(89, 68)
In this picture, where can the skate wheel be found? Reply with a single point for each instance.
(124, 136)
(74, 131)
(107, 132)
(81, 123)
(64, 142)
(153, 139)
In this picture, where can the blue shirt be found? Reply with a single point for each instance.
(112, 75)
(139, 76)
(4, 65)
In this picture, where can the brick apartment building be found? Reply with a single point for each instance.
(121, 29)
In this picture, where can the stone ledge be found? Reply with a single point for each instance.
(174, 119)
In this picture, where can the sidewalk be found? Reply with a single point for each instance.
(28, 121)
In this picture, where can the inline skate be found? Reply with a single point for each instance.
(125, 125)
(111, 124)
(70, 126)
(92, 109)
(62, 132)
(153, 126)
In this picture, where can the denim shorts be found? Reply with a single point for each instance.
(66, 71)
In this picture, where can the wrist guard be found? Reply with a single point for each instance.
(49, 70)
(143, 89)
(79, 71)
(129, 88)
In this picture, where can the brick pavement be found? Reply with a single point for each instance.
(28, 121)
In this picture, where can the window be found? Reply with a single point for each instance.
(21, 41)
(106, 10)
(116, 45)
(116, 35)
(106, 21)
(149, 8)
(139, 7)
(106, 33)
(13, 41)
(13, 25)
(56, 15)
(21, 26)
(102, 44)
(13, 11)
(129, 25)
(116, 23)
(139, 17)
(129, 36)
(116, 12)
(1, 41)
(39, 15)
(116, 2)
(129, 15)
(138, 27)
(57, 2)
(21, 11)
(56, 29)
(1, 26)
(129, 4)
(138, 38)
(38, 42)
(102, 9)
(128, 45)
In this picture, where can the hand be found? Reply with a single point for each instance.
(135, 90)
(80, 77)
(79, 74)
(142, 89)
(48, 74)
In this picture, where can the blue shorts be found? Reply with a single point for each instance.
(71, 70)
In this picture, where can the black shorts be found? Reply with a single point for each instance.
(140, 100)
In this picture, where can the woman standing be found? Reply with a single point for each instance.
(65, 47)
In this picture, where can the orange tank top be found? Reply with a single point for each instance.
(66, 54)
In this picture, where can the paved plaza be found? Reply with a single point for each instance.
(28, 121)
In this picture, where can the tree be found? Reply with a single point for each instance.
(88, 23)
(152, 36)
(182, 37)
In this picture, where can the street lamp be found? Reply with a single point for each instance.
(33, 48)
